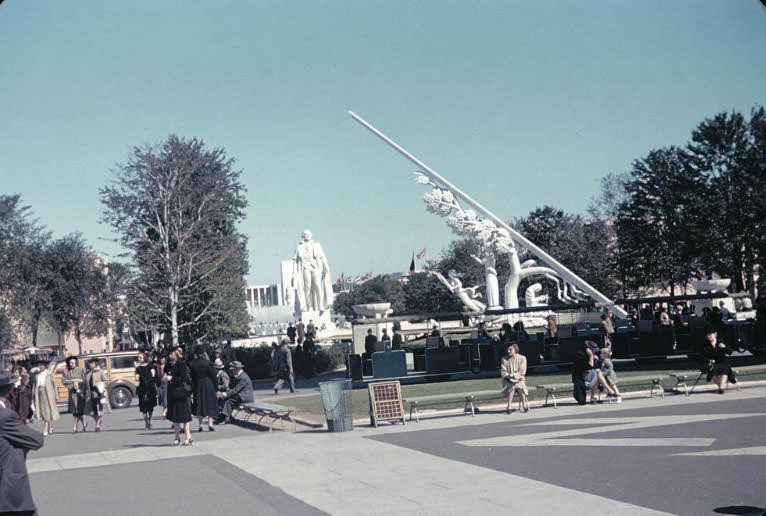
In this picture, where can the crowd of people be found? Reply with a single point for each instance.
(32, 394)
(207, 387)
(198, 388)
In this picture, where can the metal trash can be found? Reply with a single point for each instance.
(338, 405)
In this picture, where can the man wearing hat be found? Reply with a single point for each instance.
(241, 390)
(283, 365)
(16, 439)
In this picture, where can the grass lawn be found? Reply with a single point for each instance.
(312, 404)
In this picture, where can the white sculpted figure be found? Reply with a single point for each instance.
(490, 279)
(311, 275)
(467, 295)
(532, 295)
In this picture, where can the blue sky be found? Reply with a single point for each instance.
(518, 103)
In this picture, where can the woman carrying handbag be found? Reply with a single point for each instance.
(179, 392)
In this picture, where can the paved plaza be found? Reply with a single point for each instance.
(686, 456)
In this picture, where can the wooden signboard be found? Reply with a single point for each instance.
(385, 402)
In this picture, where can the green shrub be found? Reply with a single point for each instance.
(330, 358)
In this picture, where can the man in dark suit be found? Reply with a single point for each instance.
(369, 343)
(240, 391)
(16, 439)
(397, 341)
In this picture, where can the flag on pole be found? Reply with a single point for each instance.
(422, 254)
(412, 263)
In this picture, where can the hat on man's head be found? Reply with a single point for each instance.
(6, 379)
(218, 363)
(236, 365)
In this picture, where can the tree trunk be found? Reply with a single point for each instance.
(60, 341)
(78, 336)
(35, 327)
(174, 316)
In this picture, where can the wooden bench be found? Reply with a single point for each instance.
(440, 399)
(273, 411)
(552, 388)
(470, 400)
(682, 379)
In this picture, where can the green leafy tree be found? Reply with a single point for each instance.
(23, 298)
(380, 289)
(176, 208)
(727, 150)
(659, 224)
(342, 304)
(603, 213)
(582, 246)
(78, 289)
(425, 294)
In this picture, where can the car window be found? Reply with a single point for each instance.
(85, 362)
(123, 362)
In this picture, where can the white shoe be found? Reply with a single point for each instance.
(619, 399)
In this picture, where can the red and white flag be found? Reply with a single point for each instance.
(422, 254)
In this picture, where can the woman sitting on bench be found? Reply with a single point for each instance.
(607, 369)
(715, 362)
(513, 369)
(594, 377)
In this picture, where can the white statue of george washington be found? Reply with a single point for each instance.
(311, 275)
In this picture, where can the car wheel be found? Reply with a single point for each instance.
(120, 397)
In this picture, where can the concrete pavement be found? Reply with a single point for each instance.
(457, 465)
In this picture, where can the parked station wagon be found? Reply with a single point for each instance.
(119, 367)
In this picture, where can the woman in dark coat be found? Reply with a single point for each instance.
(73, 379)
(179, 390)
(21, 398)
(205, 405)
(146, 390)
(715, 362)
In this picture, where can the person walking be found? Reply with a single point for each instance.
(300, 331)
(179, 390)
(74, 381)
(146, 390)
(283, 364)
(46, 408)
(16, 440)
(95, 384)
(291, 332)
(203, 377)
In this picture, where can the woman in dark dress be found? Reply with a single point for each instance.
(205, 405)
(21, 397)
(179, 390)
(146, 390)
(74, 380)
(715, 362)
